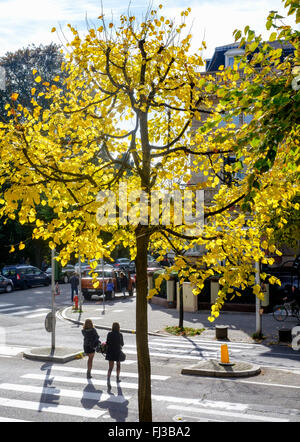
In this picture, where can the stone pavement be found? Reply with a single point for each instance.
(241, 325)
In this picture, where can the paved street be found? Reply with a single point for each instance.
(48, 392)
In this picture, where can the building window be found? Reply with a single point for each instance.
(230, 54)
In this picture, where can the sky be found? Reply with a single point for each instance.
(30, 22)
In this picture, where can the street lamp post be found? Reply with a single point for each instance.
(79, 289)
(103, 293)
(257, 302)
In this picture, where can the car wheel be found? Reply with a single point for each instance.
(66, 279)
(8, 288)
(87, 296)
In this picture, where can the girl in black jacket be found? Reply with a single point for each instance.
(114, 342)
(90, 342)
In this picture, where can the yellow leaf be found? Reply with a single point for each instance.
(34, 71)
(53, 29)
(33, 91)
(38, 79)
(12, 249)
(14, 96)
(21, 246)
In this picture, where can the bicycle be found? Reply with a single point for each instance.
(281, 312)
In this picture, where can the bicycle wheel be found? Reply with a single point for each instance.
(280, 313)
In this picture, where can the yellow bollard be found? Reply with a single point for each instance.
(224, 354)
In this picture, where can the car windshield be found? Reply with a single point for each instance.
(107, 273)
(9, 272)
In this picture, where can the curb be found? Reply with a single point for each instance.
(60, 354)
(213, 368)
(63, 314)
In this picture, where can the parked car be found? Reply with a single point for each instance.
(66, 273)
(25, 276)
(152, 264)
(6, 285)
(88, 288)
(86, 268)
(121, 263)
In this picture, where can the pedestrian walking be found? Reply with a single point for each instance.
(110, 288)
(114, 342)
(90, 341)
(123, 283)
(74, 281)
(44, 265)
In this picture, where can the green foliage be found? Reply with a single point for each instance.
(184, 331)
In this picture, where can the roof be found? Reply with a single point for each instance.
(218, 58)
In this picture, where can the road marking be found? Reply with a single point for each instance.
(93, 318)
(36, 315)
(51, 408)
(243, 416)
(265, 384)
(76, 380)
(173, 355)
(193, 348)
(14, 308)
(202, 403)
(9, 419)
(124, 374)
(54, 391)
(10, 350)
(32, 310)
(190, 341)
(195, 344)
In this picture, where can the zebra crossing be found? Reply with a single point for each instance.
(180, 349)
(25, 311)
(44, 392)
(60, 392)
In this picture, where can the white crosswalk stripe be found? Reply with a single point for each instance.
(77, 380)
(229, 414)
(62, 392)
(47, 407)
(102, 372)
(11, 350)
(24, 310)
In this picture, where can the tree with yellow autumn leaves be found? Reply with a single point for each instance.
(119, 133)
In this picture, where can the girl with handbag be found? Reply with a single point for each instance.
(90, 342)
(114, 342)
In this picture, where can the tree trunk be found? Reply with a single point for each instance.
(144, 368)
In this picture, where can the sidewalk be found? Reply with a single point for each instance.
(241, 326)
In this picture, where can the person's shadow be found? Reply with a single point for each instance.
(116, 405)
